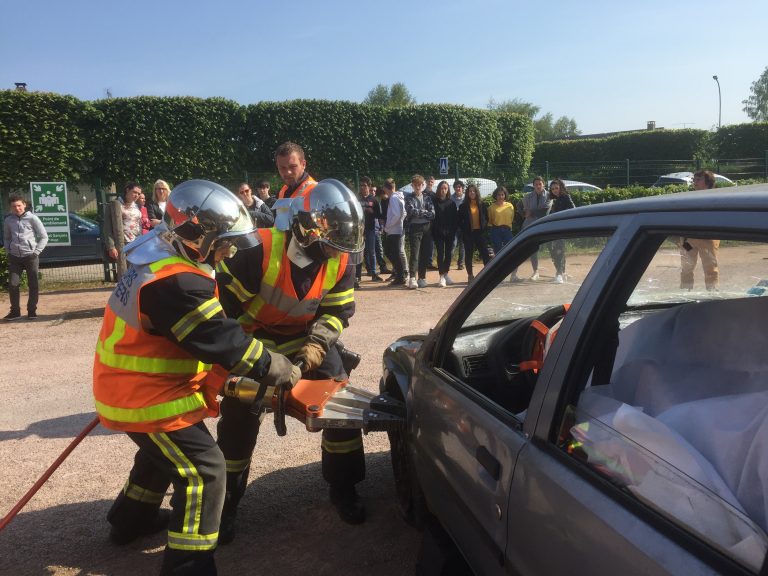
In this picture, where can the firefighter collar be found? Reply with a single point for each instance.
(297, 255)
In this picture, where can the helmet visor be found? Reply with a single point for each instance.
(338, 225)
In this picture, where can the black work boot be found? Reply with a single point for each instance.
(227, 528)
(347, 504)
(123, 536)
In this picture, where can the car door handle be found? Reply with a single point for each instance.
(487, 461)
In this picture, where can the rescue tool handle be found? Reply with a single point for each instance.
(282, 392)
(51, 469)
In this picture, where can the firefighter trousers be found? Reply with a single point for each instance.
(190, 460)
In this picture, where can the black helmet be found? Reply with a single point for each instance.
(330, 214)
(200, 213)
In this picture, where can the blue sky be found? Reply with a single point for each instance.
(609, 65)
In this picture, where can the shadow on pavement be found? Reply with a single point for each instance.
(302, 536)
(62, 427)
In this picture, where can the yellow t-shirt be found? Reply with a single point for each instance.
(501, 215)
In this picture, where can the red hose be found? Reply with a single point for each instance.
(51, 469)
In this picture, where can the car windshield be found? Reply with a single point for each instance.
(517, 296)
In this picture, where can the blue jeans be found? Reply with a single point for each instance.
(500, 237)
(370, 252)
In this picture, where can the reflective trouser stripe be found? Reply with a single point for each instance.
(237, 466)
(342, 447)
(193, 498)
(136, 492)
(183, 541)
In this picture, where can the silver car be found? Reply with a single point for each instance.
(615, 423)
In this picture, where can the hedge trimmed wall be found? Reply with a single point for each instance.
(644, 145)
(147, 138)
(44, 137)
(742, 140)
(53, 137)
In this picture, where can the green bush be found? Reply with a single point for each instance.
(642, 145)
(43, 137)
(146, 138)
(742, 141)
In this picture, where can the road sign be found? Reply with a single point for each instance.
(444, 166)
(49, 203)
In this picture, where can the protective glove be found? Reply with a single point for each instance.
(281, 372)
(312, 355)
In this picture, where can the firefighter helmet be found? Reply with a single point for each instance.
(202, 215)
(330, 214)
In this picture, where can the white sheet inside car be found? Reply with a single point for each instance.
(688, 400)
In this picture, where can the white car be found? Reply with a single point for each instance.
(687, 179)
(571, 185)
(485, 185)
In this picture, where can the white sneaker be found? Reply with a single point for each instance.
(442, 282)
(534, 276)
(448, 280)
(558, 279)
(422, 283)
(412, 282)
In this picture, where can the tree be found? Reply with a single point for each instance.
(394, 96)
(756, 106)
(545, 127)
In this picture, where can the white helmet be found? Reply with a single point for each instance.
(201, 215)
(330, 214)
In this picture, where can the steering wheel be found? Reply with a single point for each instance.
(536, 341)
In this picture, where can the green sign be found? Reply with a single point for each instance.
(49, 203)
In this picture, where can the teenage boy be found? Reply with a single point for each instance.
(420, 212)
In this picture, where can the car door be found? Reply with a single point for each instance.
(470, 404)
(576, 503)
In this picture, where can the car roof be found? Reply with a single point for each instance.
(737, 199)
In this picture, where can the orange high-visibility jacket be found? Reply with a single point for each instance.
(144, 382)
(277, 308)
(305, 187)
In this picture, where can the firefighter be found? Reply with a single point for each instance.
(295, 293)
(162, 356)
(292, 166)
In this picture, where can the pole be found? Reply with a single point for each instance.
(719, 103)
(44, 478)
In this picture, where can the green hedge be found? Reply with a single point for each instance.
(645, 145)
(44, 137)
(742, 140)
(147, 138)
(333, 134)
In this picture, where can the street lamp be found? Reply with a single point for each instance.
(719, 102)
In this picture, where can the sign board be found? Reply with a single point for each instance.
(444, 166)
(49, 203)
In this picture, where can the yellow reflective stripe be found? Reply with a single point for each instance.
(338, 298)
(142, 364)
(160, 411)
(235, 466)
(254, 307)
(250, 357)
(286, 348)
(181, 541)
(155, 266)
(342, 447)
(331, 272)
(333, 322)
(193, 503)
(275, 258)
(235, 286)
(136, 492)
(194, 318)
